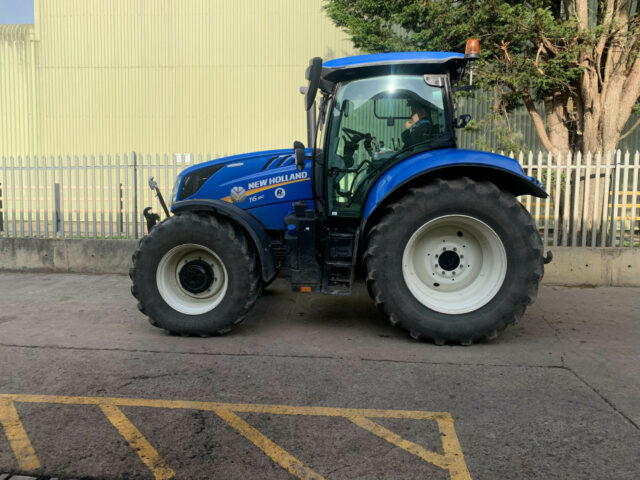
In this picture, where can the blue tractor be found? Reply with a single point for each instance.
(447, 251)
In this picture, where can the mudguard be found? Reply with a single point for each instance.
(245, 220)
(450, 163)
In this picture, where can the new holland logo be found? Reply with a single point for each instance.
(238, 195)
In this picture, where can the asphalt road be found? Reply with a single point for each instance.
(88, 389)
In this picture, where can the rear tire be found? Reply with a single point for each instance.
(454, 261)
(195, 275)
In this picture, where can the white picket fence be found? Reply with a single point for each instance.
(593, 199)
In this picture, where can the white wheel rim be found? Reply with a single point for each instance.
(172, 291)
(454, 264)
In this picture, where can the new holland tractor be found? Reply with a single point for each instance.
(446, 249)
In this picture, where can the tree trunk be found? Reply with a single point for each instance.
(556, 113)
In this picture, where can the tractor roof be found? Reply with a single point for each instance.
(349, 68)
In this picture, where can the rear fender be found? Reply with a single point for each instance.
(244, 220)
(423, 168)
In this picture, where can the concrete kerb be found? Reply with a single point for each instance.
(570, 265)
(612, 266)
(66, 255)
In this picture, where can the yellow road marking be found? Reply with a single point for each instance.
(17, 436)
(451, 447)
(234, 407)
(268, 187)
(452, 460)
(149, 455)
(283, 458)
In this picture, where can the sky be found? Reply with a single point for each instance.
(16, 11)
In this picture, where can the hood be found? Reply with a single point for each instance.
(242, 179)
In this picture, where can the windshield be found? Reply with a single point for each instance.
(376, 122)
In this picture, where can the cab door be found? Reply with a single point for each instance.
(375, 123)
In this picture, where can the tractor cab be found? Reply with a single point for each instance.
(375, 111)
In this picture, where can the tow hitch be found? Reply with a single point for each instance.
(151, 217)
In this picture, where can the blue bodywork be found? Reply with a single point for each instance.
(270, 182)
(433, 160)
(394, 57)
(349, 68)
(267, 183)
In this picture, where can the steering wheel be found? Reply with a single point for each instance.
(354, 135)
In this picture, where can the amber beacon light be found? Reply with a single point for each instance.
(472, 51)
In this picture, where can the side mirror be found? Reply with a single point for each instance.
(313, 75)
(462, 121)
(298, 150)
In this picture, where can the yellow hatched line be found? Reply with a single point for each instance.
(17, 436)
(283, 458)
(235, 407)
(149, 455)
(452, 461)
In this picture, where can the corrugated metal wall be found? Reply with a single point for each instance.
(17, 89)
(174, 76)
(168, 75)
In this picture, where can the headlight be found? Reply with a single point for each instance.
(194, 180)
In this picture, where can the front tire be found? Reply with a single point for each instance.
(195, 275)
(454, 261)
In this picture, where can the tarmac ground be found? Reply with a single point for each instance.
(312, 387)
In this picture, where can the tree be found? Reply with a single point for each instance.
(579, 59)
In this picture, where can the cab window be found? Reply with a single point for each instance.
(375, 123)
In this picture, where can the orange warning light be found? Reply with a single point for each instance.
(472, 51)
(305, 289)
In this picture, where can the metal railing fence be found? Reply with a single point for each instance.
(593, 199)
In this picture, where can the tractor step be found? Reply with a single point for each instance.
(339, 263)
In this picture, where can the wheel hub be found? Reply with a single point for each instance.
(196, 276)
(449, 260)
